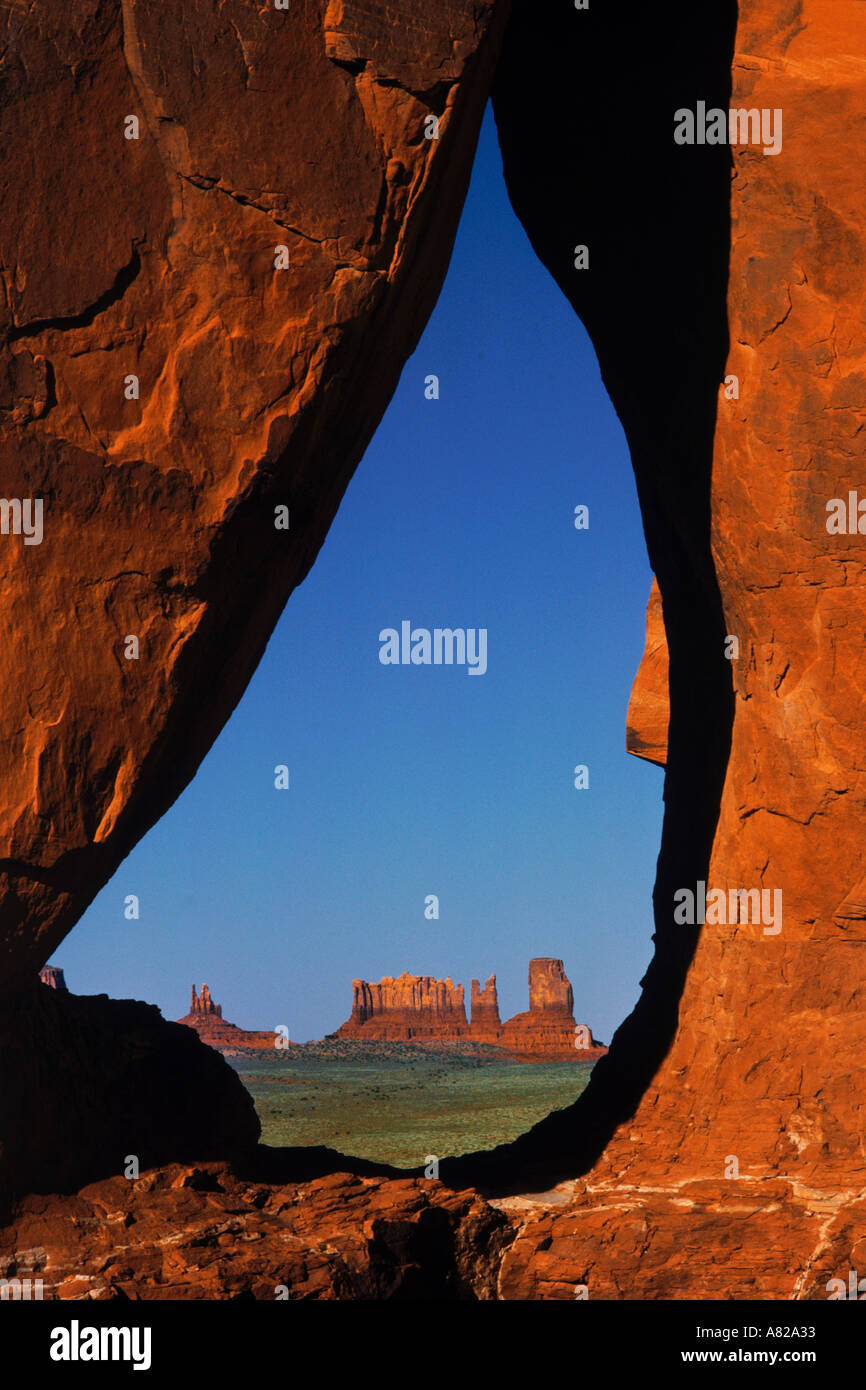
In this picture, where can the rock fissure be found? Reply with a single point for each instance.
(121, 283)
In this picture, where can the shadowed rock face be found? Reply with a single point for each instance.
(164, 388)
(87, 1082)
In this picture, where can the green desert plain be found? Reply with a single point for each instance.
(401, 1103)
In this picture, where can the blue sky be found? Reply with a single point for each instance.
(414, 780)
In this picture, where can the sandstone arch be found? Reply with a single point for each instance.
(153, 257)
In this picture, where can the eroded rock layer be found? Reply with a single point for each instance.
(757, 1239)
(349, 1236)
(89, 1083)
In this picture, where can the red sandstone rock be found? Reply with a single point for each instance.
(769, 1052)
(549, 987)
(484, 1006)
(411, 1006)
(760, 1240)
(144, 509)
(337, 1237)
(165, 387)
(345, 1237)
(203, 1004)
(420, 1008)
(206, 1018)
(52, 976)
(548, 1027)
(646, 730)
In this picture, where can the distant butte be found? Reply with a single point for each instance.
(52, 976)
(206, 1018)
(417, 1008)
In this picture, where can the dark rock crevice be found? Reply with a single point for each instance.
(63, 324)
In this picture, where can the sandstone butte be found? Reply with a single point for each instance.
(420, 1009)
(717, 1151)
(206, 1018)
(52, 976)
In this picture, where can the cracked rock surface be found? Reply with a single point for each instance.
(193, 1232)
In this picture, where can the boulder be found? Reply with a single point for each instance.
(88, 1083)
